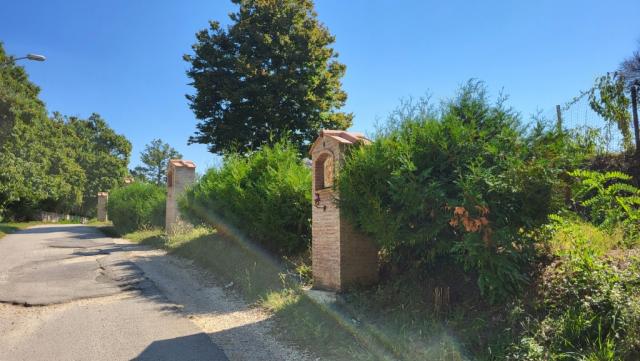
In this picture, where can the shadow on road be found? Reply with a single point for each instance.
(187, 348)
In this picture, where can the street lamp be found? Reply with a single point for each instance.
(30, 56)
(36, 57)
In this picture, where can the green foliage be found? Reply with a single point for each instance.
(137, 206)
(589, 310)
(156, 157)
(567, 233)
(102, 154)
(270, 75)
(587, 306)
(608, 200)
(608, 99)
(467, 181)
(267, 195)
(56, 164)
(37, 168)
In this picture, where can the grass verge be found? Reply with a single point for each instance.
(264, 281)
(11, 227)
(391, 321)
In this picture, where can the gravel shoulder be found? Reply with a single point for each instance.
(242, 331)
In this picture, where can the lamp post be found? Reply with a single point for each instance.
(34, 57)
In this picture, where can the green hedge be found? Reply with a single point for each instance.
(266, 194)
(466, 180)
(137, 206)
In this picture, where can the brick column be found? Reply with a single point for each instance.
(180, 174)
(103, 199)
(341, 256)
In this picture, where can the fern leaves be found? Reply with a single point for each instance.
(607, 198)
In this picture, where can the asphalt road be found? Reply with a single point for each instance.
(69, 293)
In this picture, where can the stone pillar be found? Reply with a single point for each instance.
(341, 256)
(103, 199)
(180, 174)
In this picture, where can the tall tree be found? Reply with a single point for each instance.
(630, 69)
(271, 74)
(52, 163)
(102, 153)
(38, 170)
(156, 156)
(139, 174)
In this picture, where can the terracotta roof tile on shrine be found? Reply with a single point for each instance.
(342, 136)
(182, 163)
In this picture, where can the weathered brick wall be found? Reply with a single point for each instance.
(103, 198)
(325, 245)
(359, 257)
(341, 257)
(180, 174)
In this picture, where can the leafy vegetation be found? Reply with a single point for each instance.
(271, 75)
(265, 194)
(467, 182)
(608, 99)
(155, 157)
(588, 307)
(53, 164)
(462, 198)
(587, 301)
(534, 252)
(565, 231)
(101, 153)
(607, 200)
(137, 206)
(611, 97)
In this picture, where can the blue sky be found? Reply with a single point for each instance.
(123, 59)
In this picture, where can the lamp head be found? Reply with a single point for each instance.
(36, 57)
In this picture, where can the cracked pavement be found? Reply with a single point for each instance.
(69, 293)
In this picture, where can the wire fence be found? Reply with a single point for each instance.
(578, 115)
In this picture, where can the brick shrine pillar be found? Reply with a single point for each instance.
(341, 256)
(180, 174)
(103, 200)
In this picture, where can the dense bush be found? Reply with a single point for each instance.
(588, 302)
(588, 309)
(137, 206)
(467, 180)
(266, 194)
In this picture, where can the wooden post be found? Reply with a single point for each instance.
(559, 118)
